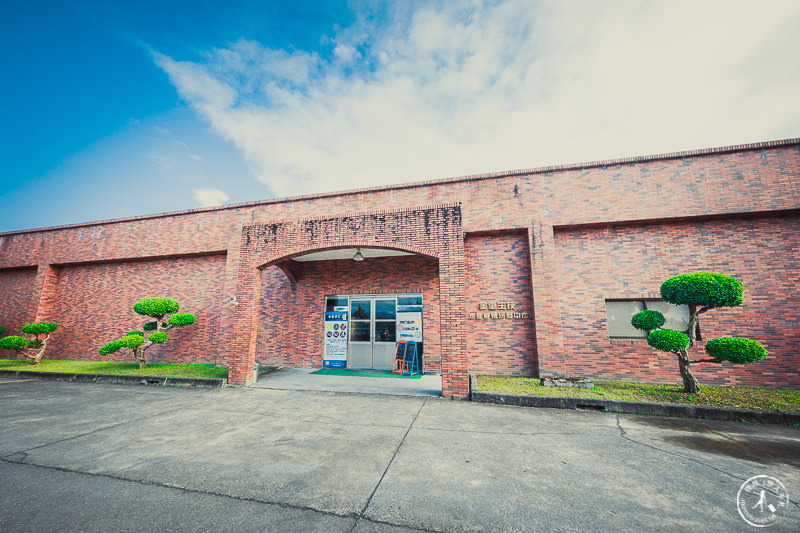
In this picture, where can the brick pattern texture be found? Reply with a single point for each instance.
(633, 261)
(498, 270)
(95, 306)
(606, 229)
(17, 307)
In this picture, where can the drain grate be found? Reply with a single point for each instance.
(587, 407)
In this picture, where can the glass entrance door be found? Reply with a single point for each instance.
(373, 332)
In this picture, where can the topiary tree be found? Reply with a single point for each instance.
(166, 315)
(33, 348)
(700, 292)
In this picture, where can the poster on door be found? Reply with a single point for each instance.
(335, 353)
(409, 326)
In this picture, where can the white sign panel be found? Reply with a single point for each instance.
(409, 326)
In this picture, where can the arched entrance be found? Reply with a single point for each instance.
(432, 232)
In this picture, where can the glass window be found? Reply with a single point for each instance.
(384, 309)
(409, 303)
(385, 331)
(359, 331)
(677, 316)
(360, 309)
(619, 314)
(336, 303)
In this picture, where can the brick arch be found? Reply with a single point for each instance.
(433, 231)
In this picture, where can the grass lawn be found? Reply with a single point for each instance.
(115, 367)
(738, 397)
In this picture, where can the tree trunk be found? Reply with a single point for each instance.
(690, 383)
(138, 353)
(37, 356)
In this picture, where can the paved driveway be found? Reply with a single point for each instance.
(92, 457)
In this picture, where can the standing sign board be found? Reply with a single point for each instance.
(335, 354)
(409, 326)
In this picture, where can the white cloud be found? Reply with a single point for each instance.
(346, 53)
(210, 197)
(455, 88)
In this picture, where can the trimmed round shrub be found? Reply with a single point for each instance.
(39, 328)
(110, 348)
(668, 340)
(35, 343)
(158, 337)
(182, 319)
(156, 307)
(14, 342)
(736, 350)
(132, 341)
(135, 333)
(647, 320)
(709, 289)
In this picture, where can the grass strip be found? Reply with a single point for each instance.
(735, 397)
(116, 368)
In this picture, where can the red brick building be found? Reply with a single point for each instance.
(519, 273)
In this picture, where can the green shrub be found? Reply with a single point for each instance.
(647, 320)
(709, 289)
(668, 340)
(156, 307)
(14, 342)
(154, 331)
(132, 341)
(736, 350)
(158, 337)
(182, 319)
(39, 328)
(110, 348)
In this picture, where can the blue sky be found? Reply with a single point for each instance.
(113, 109)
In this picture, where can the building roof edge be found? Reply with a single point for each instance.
(440, 181)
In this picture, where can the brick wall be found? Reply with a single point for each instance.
(498, 270)
(595, 264)
(16, 304)
(95, 306)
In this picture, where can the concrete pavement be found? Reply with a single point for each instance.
(305, 379)
(95, 457)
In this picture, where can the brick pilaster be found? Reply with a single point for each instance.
(45, 293)
(545, 284)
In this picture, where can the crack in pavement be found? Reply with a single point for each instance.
(356, 516)
(396, 451)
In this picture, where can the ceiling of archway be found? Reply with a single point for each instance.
(348, 253)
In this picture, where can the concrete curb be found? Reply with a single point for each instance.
(214, 383)
(789, 418)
